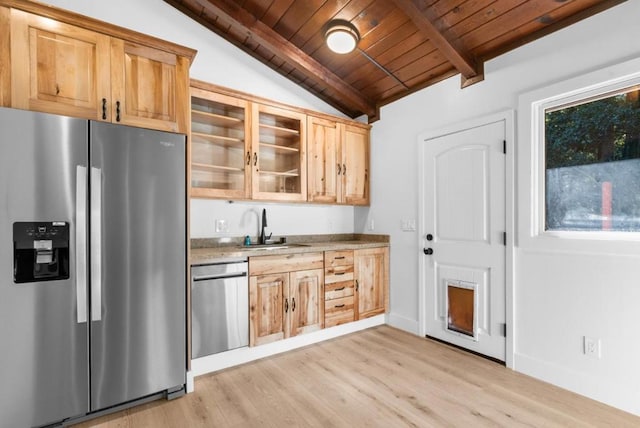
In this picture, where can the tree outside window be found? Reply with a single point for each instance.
(592, 155)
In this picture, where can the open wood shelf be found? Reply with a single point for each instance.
(280, 148)
(208, 118)
(280, 174)
(217, 139)
(210, 167)
(278, 131)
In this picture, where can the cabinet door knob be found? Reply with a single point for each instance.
(427, 251)
(255, 158)
(339, 169)
(344, 169)
(293, 304)
(286, 305)
(104, 109)
(117, 111)
(357, 285)
(248, 158)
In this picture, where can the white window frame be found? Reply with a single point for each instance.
(531, 157)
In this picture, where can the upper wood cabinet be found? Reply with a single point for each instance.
(279, 163)
(287, 154)
(338, 165)
(148, 86)
(220, 146)
(59, 68)
(324, 161)
(355, 165)
(71, 65)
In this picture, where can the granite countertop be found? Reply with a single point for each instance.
(209, 250)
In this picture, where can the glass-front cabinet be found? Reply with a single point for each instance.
(248, 148)
(279, 160)
(220, 147)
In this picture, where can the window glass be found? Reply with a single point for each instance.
(592, 164)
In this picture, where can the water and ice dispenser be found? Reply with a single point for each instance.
(40, 251)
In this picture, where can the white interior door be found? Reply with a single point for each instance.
(464, 228)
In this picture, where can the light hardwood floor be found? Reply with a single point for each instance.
(380, 377)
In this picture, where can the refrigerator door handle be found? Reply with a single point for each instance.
(81, 243)
(96, 244)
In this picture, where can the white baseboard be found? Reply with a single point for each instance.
(598, 388)
(402, 323)
(223, 360)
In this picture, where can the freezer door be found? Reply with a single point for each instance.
(43, 336)
(138, 263)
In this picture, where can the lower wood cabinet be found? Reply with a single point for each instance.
(338, 288)
(285, 296)
(371, 268)
(299, 293)
(356, 284)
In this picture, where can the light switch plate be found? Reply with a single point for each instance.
(408, 225)
(221, 226)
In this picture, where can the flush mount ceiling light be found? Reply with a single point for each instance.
(341, 36)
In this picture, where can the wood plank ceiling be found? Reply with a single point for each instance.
(405, 45)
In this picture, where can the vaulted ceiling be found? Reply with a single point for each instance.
(405, 45)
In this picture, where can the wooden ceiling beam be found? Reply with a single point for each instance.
(280, 46)
(425, 20)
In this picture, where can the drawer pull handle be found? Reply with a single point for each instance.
(339, 289)
(339, 273)
(339, 306)
(339, 258)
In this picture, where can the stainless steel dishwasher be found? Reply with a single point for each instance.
(219, 307)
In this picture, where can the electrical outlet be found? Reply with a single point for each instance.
(592, 347)
(221, 226)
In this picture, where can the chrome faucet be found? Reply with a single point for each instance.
(263, 239)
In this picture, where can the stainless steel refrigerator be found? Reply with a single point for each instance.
(92, 266)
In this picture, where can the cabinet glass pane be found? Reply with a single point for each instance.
(279, 154)
(218, 156)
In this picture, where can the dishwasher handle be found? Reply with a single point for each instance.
(219, 276)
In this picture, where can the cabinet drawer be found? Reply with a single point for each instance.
(338, 290)
(262, 265)
(338, 311)
(338, 258)
(338, 274)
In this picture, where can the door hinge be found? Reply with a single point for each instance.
(504, 146)
(504, 238)
(503, 327)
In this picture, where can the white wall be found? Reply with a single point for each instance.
(221, 63)
(282, 219)
(560, 296)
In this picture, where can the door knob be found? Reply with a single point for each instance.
(428, 251)
(429, 237)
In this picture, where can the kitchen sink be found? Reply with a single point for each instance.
(266, 247)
